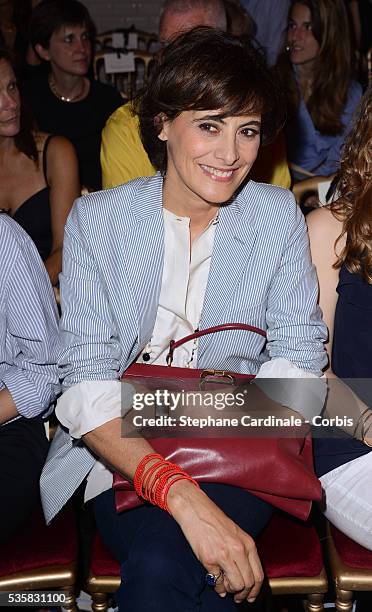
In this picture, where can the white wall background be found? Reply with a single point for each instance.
(110, 14)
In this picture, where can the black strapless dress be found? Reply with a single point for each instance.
(34, 214)
(351, 359)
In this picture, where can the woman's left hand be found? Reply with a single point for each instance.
(217, 542)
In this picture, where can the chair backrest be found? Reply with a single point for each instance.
(145, 40)
(127, 82)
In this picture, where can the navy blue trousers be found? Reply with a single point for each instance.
(335, 448)
(159, 570)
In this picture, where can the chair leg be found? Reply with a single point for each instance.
(315, 602)
(70, 603)
(344, 600)
(99, 602)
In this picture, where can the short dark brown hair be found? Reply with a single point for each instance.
(51, 15)
(207, 69)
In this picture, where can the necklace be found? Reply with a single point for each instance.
(52, 86)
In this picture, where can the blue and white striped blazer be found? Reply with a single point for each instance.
(261, 273)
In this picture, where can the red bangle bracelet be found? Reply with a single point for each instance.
(153, 482)
(146, 483)
(162, 483)
(166, 469)
(137, 480)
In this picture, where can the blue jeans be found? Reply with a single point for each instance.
(159, 570)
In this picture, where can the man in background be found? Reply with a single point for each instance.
(123, 157)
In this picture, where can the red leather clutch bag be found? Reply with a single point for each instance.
(276, 469)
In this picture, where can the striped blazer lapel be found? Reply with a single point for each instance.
(234, 241)
(144, 254)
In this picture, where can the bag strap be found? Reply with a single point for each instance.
(211, 330)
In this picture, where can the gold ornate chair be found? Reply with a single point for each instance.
(290, 552)
(42, 558)
(351, 567)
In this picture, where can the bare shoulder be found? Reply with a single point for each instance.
(322, 223)
(62, 166)
(59, 145)
(324, 231)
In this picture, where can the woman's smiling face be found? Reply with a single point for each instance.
(209, 155)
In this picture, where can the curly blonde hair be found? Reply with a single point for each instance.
(354, 204)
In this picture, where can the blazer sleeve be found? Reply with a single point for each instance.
(296, 330)
(32, 331)
(90, 344)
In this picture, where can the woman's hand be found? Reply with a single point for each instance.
(217, 542)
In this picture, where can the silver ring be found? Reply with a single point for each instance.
(211, 579)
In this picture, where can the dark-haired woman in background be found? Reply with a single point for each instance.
(66, 101)
(38, 173)
(316, 71)
(154, 259)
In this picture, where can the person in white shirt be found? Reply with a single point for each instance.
(152, 260)
(29, 346)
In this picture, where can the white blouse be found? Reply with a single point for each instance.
(183, 286)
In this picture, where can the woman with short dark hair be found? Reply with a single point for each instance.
(67, 102)
(155, 259)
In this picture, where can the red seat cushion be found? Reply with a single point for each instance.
(351, 553)
(36, 546)
(102, 561)
(287, 548)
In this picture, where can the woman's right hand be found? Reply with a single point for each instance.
(218, 543)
